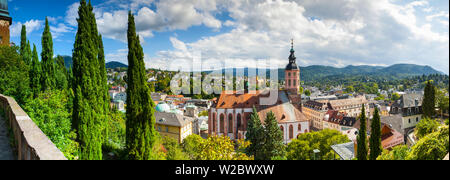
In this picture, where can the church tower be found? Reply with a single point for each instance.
(292, 73)
(5, 22)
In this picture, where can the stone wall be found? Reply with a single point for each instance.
(4, 32)
(31, 142)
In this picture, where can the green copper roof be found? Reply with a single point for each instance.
(4, 8)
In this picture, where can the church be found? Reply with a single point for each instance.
(231, 112)
(5, 22)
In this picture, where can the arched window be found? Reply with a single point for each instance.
(214, 123)
(417, 119)
(291, 132)
(282, 130)
(289, 82)
(239, 123)
(230, 123)
(222, 123)
(299, 128)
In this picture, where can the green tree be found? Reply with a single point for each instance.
(442, 101)
(426, 126)
(191, 146)
(307, 92)
(397, 153)
(375, 136)
(273, 141)
(350, 89)
(25, 49)
(35, 73)
(61, 74)
(428, 103)
(51, 114)
(222, 148)
(395, 97)
(88, 106)
(14, 80)
(174, 151)
(362, 137)
(433, 146)
(48, 65)
(255, 135)
(140, 106)
(302, 147)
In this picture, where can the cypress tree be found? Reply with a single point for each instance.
(255, 135)
(35, 73)
(25, 49)
(273, 145)
(375, 136)
(428, 103)
(103, 81)
(23, 40)
(88, 113)
(61, 73)
(140, 123)
(362, 137)
(48, 65)
(28, 54)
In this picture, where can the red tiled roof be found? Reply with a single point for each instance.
(390, 137)
(284, 110)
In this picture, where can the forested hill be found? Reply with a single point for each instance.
(115, 64)
(110, 65)
(313, 73)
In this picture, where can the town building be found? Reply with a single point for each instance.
(174, 125)
(390, 137)
(351, 106)
(409, 107)
(5, 22)
(315, 112)
(230, 114)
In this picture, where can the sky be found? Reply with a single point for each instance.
(241, 32)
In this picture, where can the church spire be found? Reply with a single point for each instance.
(292, 45)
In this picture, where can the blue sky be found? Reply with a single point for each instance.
(336, 33)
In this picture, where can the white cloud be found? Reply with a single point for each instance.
(168, 15)
(31, 25)
(72, 14)
(339, 33)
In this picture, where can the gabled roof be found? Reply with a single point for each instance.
(409, 100)
(284, 109)
(172, 119)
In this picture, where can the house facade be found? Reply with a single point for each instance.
(409, 107)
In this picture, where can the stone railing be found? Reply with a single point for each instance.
(31, 143)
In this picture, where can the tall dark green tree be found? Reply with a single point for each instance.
(23, 40)
(429, 100)
(255, 135)
(35, 73)
(48, 65)
(61, 73)
(25, 49)
(88, 107)
(141, 134)
(273, 141)
(375, 136)
(361, 153)
(103, 81)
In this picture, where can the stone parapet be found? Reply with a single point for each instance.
(31, 143)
